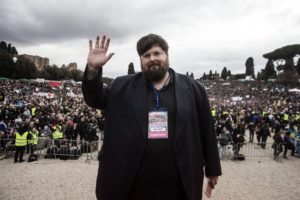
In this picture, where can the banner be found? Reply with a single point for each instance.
(45, 94)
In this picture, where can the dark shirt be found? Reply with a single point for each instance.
(277, 139)
(287, 139)
(264, 131)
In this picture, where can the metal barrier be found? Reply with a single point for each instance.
(74, 149)
(246, 149)
(54, 149)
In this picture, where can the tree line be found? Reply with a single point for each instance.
(283, 64)
(17, 66)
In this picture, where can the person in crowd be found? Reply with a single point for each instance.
(18, 119)
(37, 124)
(57, 134)
(264, 133)
(251, 128)
(258, 135)
(238, 140)
(225, 143)
(155, 158)
(277, 145)
(101, 123)
(71, 132)
(33, 111)
(46, 131)
(21, 138)
(26, 112)
(32, 143)
(288, 144)
(91, 134)
(3, 125)
(3, 133)
(83, 127)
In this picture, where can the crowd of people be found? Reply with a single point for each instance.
(266, 110)
(30, 110)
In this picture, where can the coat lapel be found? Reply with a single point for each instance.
(139, 103)
(183, 104)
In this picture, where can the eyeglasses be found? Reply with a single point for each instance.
(156, 54)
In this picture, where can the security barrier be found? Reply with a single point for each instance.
(232, 151)
(74, 149)
(54, 149)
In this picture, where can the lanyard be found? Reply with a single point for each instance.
(157, 93)
(156, 96)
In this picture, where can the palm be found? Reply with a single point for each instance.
(98, 56)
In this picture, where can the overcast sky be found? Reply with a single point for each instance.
(202, 35)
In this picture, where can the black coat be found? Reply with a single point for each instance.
(126, 127)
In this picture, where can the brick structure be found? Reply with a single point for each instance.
(38, 61)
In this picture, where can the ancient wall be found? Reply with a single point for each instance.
(72, 66)
(38, 61)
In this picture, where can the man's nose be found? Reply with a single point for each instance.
(152, 56)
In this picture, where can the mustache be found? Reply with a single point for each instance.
(154, 62)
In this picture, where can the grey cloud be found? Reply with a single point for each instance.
(46, 23)
(34, 21)
(202, 34)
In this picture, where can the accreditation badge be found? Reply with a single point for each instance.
(158, 124)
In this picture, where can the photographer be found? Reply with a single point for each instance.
(238, 140)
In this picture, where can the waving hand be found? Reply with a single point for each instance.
(98, 56)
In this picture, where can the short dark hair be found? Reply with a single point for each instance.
(148, 41)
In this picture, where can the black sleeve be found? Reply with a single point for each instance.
(93, 90)
(210, 147)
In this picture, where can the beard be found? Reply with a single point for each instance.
(155, 71)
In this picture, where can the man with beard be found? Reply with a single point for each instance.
(159, 135)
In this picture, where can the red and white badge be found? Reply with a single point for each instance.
(158, 125)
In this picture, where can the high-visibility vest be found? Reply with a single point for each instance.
(224, 113)
(285, 117)
(213, 112)
(33, 111)
(297, 117)
(35, 137)
(21, 140)
(57, 134)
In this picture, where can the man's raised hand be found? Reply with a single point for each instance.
(98, 56)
